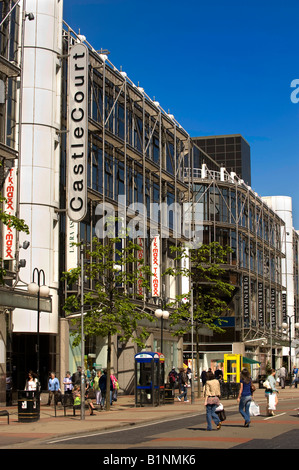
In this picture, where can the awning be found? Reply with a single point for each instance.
(247, 360)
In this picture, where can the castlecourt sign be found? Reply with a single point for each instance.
(78, 132)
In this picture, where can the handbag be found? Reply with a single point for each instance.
(254, 409)
(213, 401)
(221, 415)
(267, 385)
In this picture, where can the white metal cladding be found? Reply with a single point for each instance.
(40, 154)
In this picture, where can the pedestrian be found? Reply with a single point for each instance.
(67, 382)
(172, 379)
(103, 387)
(97, 389)
(183, 380)
(53, 388)
(31, 382)
(219, 374)
(203, 377)
(189, 376)
(282, 373)
(212, 395)
(76, 377)
(295, 376)
(245, 396)
(271, 394)
(115, 388)
(77, 399)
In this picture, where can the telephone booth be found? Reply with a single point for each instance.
(233, 364)
(147, 378)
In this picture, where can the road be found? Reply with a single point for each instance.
(180, 434)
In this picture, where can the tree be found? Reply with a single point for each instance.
(114, 271)
(13, 222)
(210, 293)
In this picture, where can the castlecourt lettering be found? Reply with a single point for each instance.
(78, 130)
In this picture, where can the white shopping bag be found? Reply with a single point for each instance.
(219, 408)
(272, 405)
(254, 409)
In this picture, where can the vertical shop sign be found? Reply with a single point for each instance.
(78, 132)
(9, 207)
(260, 295)
(140, 255)
(155, 266)
(246, 300)
(71, 249)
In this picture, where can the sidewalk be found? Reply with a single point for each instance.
(123, 413)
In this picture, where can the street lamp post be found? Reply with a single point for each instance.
(164, 315)
(288, 323)
(41, 290)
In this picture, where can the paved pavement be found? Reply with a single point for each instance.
(123, 413)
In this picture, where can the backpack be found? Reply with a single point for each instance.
(172, 377)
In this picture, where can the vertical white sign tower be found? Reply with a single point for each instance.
(40, 153)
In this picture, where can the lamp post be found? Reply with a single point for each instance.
(164, 315)
(288, 323)
(41, 290)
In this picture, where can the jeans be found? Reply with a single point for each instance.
(244, 406)
(183, 393)
(211, 415)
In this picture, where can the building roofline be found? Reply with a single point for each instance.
(218, 136)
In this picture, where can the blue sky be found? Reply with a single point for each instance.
(218, 67)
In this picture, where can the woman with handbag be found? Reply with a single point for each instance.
(271, 393)
(245, 396)
(212, 394)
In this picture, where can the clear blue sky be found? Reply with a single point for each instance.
(220, 67)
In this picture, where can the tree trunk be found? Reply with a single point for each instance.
(108, 373)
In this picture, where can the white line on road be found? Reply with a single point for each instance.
(122, 429)
(274, 416)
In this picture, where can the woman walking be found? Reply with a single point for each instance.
(245, 396)
(271, 394)
(211, 393)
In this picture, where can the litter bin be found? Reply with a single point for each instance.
(28, 406)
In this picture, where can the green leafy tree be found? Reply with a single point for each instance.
(13, 222)
(210, 293)
(114, 271)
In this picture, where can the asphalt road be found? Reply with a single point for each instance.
(189, 433)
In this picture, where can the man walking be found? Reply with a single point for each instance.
(282, 373)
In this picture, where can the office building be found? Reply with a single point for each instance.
(229, 151)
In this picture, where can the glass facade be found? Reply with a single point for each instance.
(232, 152)
(229, 212)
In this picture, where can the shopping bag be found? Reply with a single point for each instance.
(271, 403)
(219, 408)
(254, 409)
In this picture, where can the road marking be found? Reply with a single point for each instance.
(275, 416)
(122, 429)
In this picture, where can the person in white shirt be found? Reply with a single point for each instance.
(67, 382)
(31, 382)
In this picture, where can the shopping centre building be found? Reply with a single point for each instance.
(79, 140)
